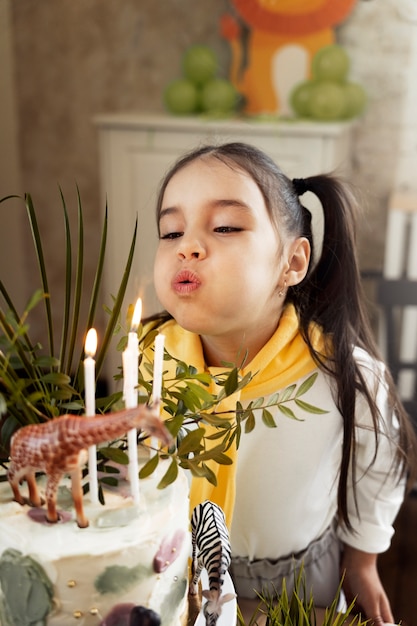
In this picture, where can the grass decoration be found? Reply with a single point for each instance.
(281, 608)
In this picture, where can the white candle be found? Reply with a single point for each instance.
(130, 359)
(90, 406)
(158, 366)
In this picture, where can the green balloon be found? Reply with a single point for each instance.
(199, 64)
(327, 101)
(181, 97)
(356, 99)
(219, 97)
(300, 98)
(330, 63)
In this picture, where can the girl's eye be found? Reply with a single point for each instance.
(174, 235)
(227, 229)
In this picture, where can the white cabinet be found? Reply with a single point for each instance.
(137, 149)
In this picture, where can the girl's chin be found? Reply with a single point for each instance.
(195, 325)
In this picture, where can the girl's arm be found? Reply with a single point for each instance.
(363, 583)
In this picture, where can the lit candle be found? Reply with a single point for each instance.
(130, 359)
(90, 406)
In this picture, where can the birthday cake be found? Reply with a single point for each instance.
(129, 556)
(67, 559)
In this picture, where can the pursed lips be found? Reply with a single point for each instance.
(186, 282)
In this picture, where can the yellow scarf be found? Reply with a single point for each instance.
(281, 362)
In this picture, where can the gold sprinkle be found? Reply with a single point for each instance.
(174, 550)
(71, 583)
(93, 611)
(167, 562)
(77, 614)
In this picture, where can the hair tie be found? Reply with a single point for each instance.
(300, 186)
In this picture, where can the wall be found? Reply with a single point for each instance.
(11, 243)
(381, 37)
(75, 58)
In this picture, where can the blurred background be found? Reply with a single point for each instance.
(63, 63)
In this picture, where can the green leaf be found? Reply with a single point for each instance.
(268, 419)
(221, 458)
(306, 385)
(287, 393)
(174, 424)
(200, 393)
(310, 408)
(68, 289)
(169, 476)
(209, 475)
(250, 423)
(285, 410)
(191, 442)
(56, 378)
(256, 404)
(115, 454)
(109, 480)
(149, 467)
(46, 361)
(36, 297)
(231, 383)
(111, 324)
(42, 268)
(192, 465)
(273, 400)
(213, 419)
(73, 406)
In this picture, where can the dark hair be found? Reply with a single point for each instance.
(331, 293)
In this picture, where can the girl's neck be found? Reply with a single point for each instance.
(219, 350)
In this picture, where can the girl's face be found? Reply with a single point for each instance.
(218, 267)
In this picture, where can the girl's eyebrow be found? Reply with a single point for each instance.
(219, 203)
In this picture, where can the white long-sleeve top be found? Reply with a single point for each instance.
(287, 477)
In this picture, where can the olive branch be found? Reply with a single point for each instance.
(191, 407)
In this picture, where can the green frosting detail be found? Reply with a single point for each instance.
(116, 518)
(27, 592)
(172, 600)
(64, 498)
(119, 578)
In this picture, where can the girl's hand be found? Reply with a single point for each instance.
(363, 583)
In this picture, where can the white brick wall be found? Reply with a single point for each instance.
(381, 38)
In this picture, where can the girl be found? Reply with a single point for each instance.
(234, 270)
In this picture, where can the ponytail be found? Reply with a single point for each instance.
(332, 296)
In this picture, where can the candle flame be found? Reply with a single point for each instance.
(137, 314)
(91, 342)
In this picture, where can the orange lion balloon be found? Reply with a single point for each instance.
(272, 43)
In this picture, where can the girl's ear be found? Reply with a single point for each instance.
(298, 261)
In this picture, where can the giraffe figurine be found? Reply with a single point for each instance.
(59, 447)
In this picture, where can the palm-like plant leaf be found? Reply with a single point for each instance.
(35, 386)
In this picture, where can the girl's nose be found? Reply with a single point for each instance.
(190, 248)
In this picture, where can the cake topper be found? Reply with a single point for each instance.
(59, 446)
(211, 550)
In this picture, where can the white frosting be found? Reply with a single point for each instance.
(120, 535)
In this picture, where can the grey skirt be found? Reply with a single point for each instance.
(321, 563)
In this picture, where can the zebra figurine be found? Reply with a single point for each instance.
(211, 550)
